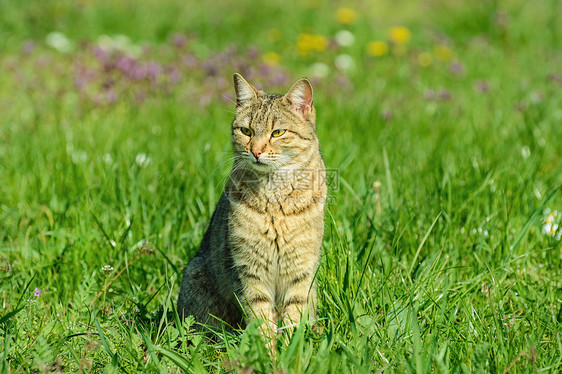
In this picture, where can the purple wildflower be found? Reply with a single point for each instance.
(125, 64)
(101, 55)
(178, 40)
(445, 95)
(457, 68)
(37, 292)
(153, 70)
(482, 86)
(139, 73)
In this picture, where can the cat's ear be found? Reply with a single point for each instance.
(244, 90)
(300, 97)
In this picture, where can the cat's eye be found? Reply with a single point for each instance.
(277, 133)
(246, 131)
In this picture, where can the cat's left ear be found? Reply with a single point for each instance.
(300, 97)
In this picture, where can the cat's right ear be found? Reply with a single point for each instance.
(244, 90)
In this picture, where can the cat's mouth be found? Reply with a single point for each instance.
(260, 164)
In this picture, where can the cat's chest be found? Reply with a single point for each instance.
(274, 228)
(275, 241)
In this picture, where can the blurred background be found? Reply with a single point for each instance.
(108, 51)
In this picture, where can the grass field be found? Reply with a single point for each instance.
(114, 131)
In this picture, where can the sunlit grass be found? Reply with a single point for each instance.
(114, 152)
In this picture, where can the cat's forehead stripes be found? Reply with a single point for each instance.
(261, 111)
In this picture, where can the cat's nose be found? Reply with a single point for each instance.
(257, 153)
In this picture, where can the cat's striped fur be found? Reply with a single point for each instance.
(260, 253)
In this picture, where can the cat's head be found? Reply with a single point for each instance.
(272, 131)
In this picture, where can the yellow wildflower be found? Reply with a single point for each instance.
(442, 52)
(320, 42)
(399, 35)
(271, 59)
(346, 16)
(377, 48)
(307, 43)
(425, 59)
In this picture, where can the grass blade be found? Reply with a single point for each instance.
(421, 245)
(103, 339)
(532, 219)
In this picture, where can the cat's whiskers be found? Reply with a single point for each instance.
(235, 166)
(222, 163)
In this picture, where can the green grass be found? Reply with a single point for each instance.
(454, 274)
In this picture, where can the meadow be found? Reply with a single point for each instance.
(114, 148)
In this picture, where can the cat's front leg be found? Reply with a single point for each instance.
(258, 304)
(299, 304)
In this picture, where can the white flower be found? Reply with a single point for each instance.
(344, 62)
(59, 41)
(550, 228)
(107, 268)
(108, 159)
(525, 152)
(344, 38)
(142, 160)
(319, 70)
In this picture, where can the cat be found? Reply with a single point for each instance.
(259, 256)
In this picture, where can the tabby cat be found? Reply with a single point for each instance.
(261, 250)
